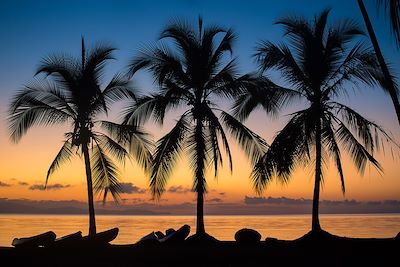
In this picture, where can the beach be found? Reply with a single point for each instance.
(307, 251)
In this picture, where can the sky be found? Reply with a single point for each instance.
(32, 30)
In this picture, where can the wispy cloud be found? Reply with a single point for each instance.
(130, 188)
(179, 189)
(272, 200)
(23, 183)
(49, 187)
(2, 184)
(215, 200)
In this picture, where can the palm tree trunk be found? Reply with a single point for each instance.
(200, 229)
(391, 88)
(92, 220)
(318, 172)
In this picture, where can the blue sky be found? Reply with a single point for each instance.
(33, 29)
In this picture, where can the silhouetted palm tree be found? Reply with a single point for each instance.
(74, 96)
(318, 65)
(388, 83)
(192, 75)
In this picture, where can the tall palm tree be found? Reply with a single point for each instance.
(74, 95)
(388, 83)
(191, 77)
(319, 64)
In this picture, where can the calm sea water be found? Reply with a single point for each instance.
(132, 228)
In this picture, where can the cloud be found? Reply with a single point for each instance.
(4, 184)
(178, 189)
(23, 183)
(222, 194)
(48, 187)
(392, 202)
(272, 200)
(215, 200)
(344, 202)
(300, 201)
(130, 188)
(143, 207)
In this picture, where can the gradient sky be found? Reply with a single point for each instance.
(33, 29)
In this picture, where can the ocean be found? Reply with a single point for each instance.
(132, 228)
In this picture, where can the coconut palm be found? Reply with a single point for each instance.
(320, 63)
(74, 96)
(388, 83)
(191, 77)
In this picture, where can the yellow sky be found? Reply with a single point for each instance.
(29, 160)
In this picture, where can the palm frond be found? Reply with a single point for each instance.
(271, 56)
(45, 91)
(146, 107)
(329, 140)
(260, 91)
(64, 68)
(96, 59)
(223, 80)
(290, 147)
(112, 147)
(252, 144)
(105, 174)
(136, 138)
(358, 153)
(33, 112)
(224, 46)
(167, 150)
(63, 155)
(359, 65)
(183, 36)
(215, 131)
(119, 88)
(369, 132)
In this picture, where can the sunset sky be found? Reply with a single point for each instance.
(32, 30)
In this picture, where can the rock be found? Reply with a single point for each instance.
(178, 235)
(169, 231)
(150, 238)
(246, 235)
(159, 234)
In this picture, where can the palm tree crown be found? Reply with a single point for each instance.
(74, 95)
(319, 65)
(192, 75)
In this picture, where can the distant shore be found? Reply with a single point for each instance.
(249, 206)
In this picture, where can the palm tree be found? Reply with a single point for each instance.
(191, 77)
(317, 66)
(388, 82)
(74, 96)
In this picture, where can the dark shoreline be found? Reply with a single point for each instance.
(306, 251)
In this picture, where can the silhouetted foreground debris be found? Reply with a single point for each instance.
(313, 249)
(246, 235)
